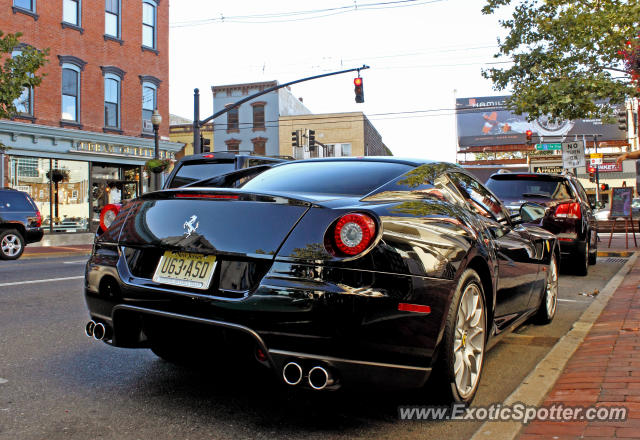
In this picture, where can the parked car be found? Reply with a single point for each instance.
(20, 223)
(569, 215)
(199, 166)
(328, 271)
(220, 169)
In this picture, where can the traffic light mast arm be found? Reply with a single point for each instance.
(279, 86)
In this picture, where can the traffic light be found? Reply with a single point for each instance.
(604, 186)
(592, 177)
(312, 139)
(622, 120)
(359, 89)
(295, 139)
(529, 134)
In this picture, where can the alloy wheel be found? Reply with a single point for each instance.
(469, 340)
(11, 245)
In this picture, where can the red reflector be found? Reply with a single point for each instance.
(208, 156)
(206, 196)
(568, 210)
(565, 239)
(261, 355)
(417, 308)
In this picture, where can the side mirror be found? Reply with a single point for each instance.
(531, 212)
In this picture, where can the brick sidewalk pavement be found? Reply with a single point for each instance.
(603, 371)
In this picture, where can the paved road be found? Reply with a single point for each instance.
(55, 383)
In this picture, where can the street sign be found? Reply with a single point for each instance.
(548, 147)
(596, 161)
(596, 155)
(573, 154)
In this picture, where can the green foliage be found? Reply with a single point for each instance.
(18, 72)
(566, 56)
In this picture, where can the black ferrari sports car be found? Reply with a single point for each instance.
(329, 271)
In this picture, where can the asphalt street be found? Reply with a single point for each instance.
(55, 383)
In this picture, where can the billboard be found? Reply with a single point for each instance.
(484, 121)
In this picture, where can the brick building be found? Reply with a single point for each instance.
(108, 70)
(342, 134)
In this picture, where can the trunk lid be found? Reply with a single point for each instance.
(212, 222)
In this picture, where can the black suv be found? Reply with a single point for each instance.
(569, 214)
(196, 167)
(20, 223)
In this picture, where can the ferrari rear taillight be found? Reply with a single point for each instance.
(353, 233)
(108, 215)
(568, 210)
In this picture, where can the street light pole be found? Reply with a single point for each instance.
(156, 120)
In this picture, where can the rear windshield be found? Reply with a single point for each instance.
(191, 172)
(533, 187)
(15, 201)
(348, 178)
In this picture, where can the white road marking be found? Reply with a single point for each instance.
(16, 283)
(3, 380)
(74, 262)
(572, 300)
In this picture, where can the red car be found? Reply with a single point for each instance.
(569, 214)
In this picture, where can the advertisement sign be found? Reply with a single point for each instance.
(549, 169)
(606, 167)
(573, 154)
(483, 121)
(621, 202)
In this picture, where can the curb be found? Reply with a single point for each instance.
(53, 255)
(543, 377)
(624, 254)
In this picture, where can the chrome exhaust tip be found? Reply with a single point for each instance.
(88, 329)
(292, 373)
(99, 331)
(320, 378)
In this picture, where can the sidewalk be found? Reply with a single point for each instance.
(603, 371)
(618, 245)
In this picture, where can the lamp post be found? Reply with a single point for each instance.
(156, 120)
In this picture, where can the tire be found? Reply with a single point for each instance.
(593, 256)
(549, 303)
(11, 244)
(581, 260)
(464, 338)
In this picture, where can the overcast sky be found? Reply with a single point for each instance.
(422, 53)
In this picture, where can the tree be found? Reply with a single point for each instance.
(568, 56)
(17, 72)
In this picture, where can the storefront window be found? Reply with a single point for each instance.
(112, 184)
(60, 189)
(70, 184)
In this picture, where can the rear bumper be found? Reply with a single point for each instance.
(355, 331)
(570, 248)
(33, 235)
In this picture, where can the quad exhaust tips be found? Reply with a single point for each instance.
(95, 329)
(318, 377)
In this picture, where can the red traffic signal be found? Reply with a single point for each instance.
(359, 89)
(529, 134)
(604, 186)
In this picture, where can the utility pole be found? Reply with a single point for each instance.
(595, 145)
(197, 123)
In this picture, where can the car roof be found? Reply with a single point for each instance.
(391, 159)
(529, 176)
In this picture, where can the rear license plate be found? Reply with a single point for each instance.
(185, 269)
